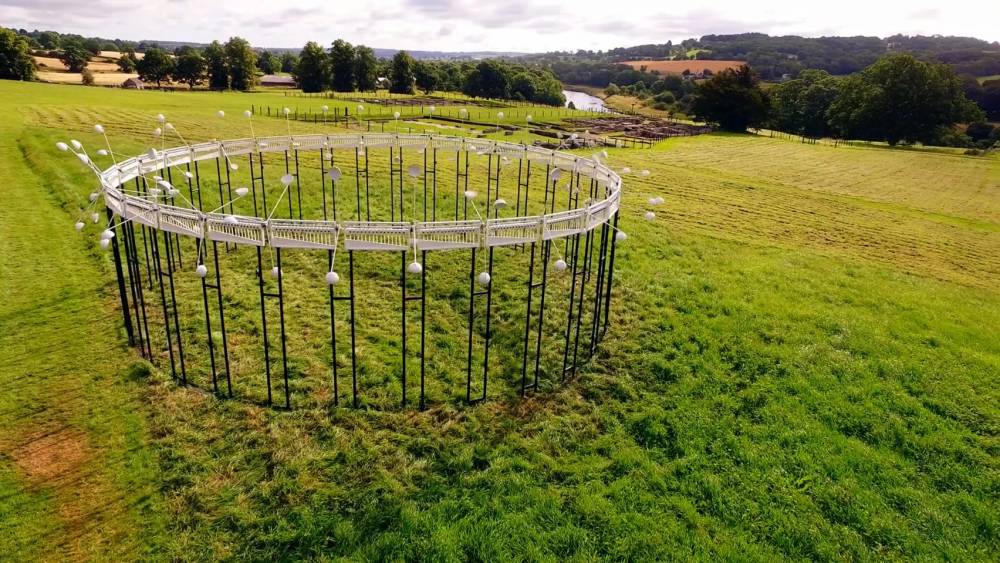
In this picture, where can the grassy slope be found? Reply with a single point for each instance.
(802, 365)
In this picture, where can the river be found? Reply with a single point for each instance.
(582, 100)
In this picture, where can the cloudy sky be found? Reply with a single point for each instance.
(453, 25)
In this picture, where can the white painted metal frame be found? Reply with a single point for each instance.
(358, 235)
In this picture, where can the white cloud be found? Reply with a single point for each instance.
(541, 25)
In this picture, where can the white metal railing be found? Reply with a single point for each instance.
(358, 235)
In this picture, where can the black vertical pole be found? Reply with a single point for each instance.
(281, 318)
(126, 314)
(222, 317)
(263, 324)
(354, 371)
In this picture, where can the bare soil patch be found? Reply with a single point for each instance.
(636, 126)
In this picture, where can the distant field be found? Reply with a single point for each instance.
(983, 79)
(802, 365)
(678, 67)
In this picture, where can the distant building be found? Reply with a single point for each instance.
(133, 84)
(277, 81)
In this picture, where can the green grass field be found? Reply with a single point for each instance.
(802, 364)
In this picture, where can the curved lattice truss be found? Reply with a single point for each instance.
(509, 207)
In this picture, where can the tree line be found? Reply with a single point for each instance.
(897, 99)
(347, 68)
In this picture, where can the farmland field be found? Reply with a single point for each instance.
(802, 364)
(678, 67)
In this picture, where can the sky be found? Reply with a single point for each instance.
(481, 25)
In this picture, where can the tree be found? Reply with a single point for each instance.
(900, 99)
(733, 99)
(49, 40)
(489, 80)
(127, 62)
(313, 70)
(990, 100)
(800, 106)
(402, 73)
(365, 68)
(342, 66)
(74, 57)
(268, 62)
(156, 66)
(15, 59)
(87, 77)
(190, 69)
(288, 62)
(242, 64)
(613, 90)
(426, 76)
(218, 69)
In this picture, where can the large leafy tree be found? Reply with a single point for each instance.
(365, 68)
(289, 62)
(15, 60)
(733, 99)
(75, 57)
(402, 73)
(155, 66)
(127, 62)
(342, 66)
(313, 71)
(800, 106)
(268, 62)
(242, 64)
(490, 79)
(218, 69)
(427, 76)
(190, 68)
(900, 99)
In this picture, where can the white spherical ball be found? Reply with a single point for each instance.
(499, 115)
(62, 146)
(94, 217)
(107, 234)
(620, 236)
(160, 117)
(325, 108)
(275, 272)
(483, 279)
(104, 243)
(334, 174)
(556, 174)
(413, 170)
(650, 215)
(78, 225)
(287, 179)
(231, 220)
(332, 278)
(247, 114)
(220, 113)
(395, 115)
(83, 158)
(528, 118)
(500, 203)
(560, 265)
(240, 192)
(98, 128)
(414, 267)
(93, 197)
(470, 194)
(76, 144)
(361, 108)
(201, 271)
(644, 173)
(432, 108)
(286, 111)
(626, 170)
(102, 152)
(233, 166)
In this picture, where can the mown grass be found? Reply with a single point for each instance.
(802, 364)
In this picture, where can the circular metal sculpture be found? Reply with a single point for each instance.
(378, 193)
